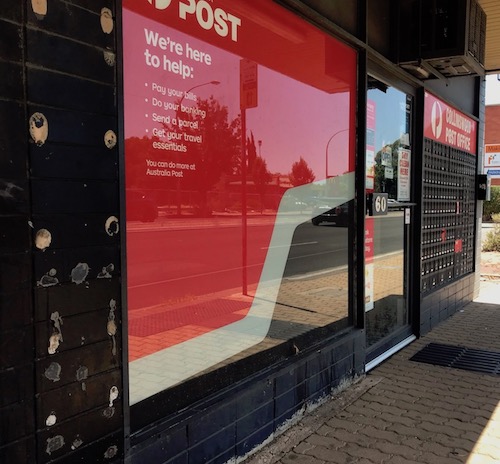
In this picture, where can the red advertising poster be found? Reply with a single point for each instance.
(369, 265)
(201, 225)
(447, 125)
(371, 112)
(404, 179)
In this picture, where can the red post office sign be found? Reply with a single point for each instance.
(443, 123)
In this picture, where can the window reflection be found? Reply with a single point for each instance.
(203, 197)
(388, 139)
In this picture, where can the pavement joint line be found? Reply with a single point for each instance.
(308, 421)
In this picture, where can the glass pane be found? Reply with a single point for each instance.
(389, 309)
(388, 171)
(237, 140)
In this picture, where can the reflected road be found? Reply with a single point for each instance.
(173, 264)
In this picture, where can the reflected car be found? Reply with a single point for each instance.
(338, 215)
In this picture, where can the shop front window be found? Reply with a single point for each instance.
(239, 157)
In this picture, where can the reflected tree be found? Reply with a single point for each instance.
(251, 152)
(382, 183)
(214, 146)
(261, 177)
(301, 173)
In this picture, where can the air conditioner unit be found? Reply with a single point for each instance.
(441, 38)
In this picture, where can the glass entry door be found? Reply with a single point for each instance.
(388, 170)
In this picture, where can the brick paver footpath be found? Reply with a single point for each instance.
(404, 412)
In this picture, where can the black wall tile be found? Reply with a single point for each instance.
(69, 127)
(11, 84)
(16, 385)
(343, 368)
(160, 447)
(434, 310)
(292, 379)
(58, 54)
(69, 231)
(11, 44)
(92, 5)
(15, 270)
(258, 419)
(425, 326)
(12, 10)
(64, 261)
(71, 400)
(68, 20)
(223, 443)
(319, 363)
(17, 422)
(22, 451)
(318, 385)
(180, 459)
(63, 91)
(14, 196)
(444, 292)
(253, 440)
(96, 452)
(285, 406)
(71, 197)
(16, 347)
(87, 428)
(92, 360)
(13, 141)
(76, 298)
(73, 162)
(78, 331)
(431, 300)
(14, 235)
(343, 350)
(359, 358)
(259, 394)
(16, 309)
(209, 424)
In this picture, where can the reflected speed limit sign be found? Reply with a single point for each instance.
(377, 204)
(380, 205)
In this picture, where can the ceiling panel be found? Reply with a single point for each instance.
(492, 10)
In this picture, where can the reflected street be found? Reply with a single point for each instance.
(173, 264)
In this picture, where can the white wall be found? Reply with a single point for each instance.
(492, 89)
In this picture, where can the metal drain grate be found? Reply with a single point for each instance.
(458, 357)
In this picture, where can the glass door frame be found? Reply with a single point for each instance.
(406, 334)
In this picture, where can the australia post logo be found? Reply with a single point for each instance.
(160, 4)
(446, 124)
(437, 119)
(223, 23)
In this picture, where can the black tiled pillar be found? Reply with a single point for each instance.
(60, 306)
